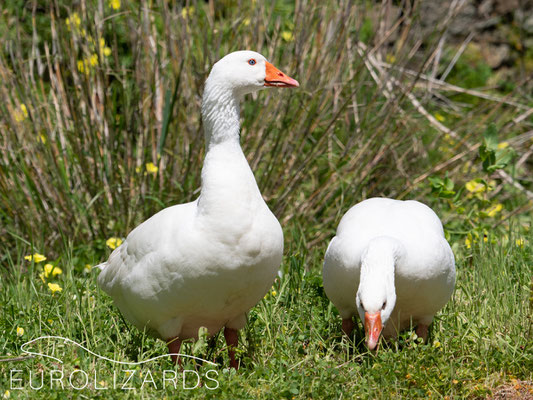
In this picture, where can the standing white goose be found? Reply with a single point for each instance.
(205, 263)
(391, 264)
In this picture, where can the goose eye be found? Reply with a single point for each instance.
(384, 305)
(251, 61)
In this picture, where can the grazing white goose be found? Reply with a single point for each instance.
(205, 263)
(391, 264)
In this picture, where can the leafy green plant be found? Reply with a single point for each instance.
(473, 211)
(492, 155)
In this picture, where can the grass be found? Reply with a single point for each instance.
(292, 346)
(90, 102)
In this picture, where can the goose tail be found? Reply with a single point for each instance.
(101, 266)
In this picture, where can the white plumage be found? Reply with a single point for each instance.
(205, 263)
(389, 261)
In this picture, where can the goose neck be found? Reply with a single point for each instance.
(220, 114)
(378, 263)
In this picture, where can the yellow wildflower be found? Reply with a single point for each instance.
(187, 12)
(20, 331)
(93, 60)
(54, 287)
(151, 168)
(455, 381)
(81, 67)
(113, 242)
(474, 186)
(391, 58)
(503, 145)
(7, 394)
(408, 376)
(448, 139)
(49, 321)
(468, 241)
(439, 117)
(246, 21)
(42, 137)
(274, 293)
(73, 20)
(106, 51)
(50, 269)
(520, 242)
(494, 209)
(41, 275)
(287, 36)
(436, 344)
(114, 4)
(20, 113)
(87, 268)
(37, 258)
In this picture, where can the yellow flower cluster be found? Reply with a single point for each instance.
(73, 22)
(84, 65)
(493, 210)
(54, 287)
(98, 50)
(469, 240)
(475, 186)
(439, 117)
(20, 113)
(114, 4)
(36, 258)
(151, 168)
(113, 242)
(50, 270)
(187, 12)
(287, 36)
(20, 331)
(503, 145)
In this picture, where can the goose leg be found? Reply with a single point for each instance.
(232, 340)
(422, 331)
(174, 345)
(347, 326)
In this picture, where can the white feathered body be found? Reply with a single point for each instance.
(200, 264)
(424, 272)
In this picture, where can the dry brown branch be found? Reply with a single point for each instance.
(476, 93)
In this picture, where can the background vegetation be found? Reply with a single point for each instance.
(101, 128)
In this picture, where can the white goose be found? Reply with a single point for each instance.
(391, 264)
(205, 263)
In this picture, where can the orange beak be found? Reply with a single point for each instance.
(274, 77)
(373, 329)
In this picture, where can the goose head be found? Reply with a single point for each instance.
(376, 295)
(375, 309)
(245, 72)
